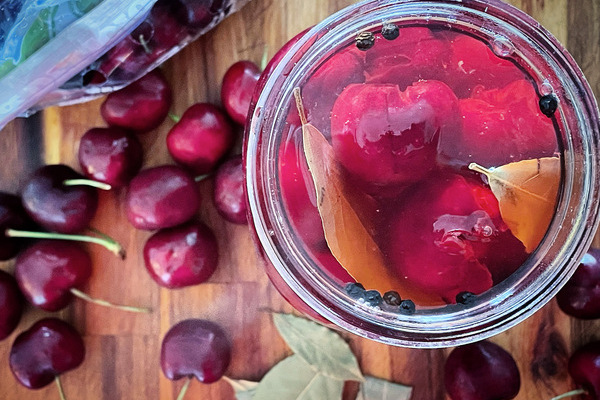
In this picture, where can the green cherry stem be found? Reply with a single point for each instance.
(105, 303)
(184, 389)
(200, 178)
(174, 117)
(61, 392)
(108, 243)
(144, 44)
(572, 393)
(87, 182)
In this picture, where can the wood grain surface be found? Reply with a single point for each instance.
(122, 360)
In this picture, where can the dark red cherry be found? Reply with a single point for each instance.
(442, 235)
(580, 296)
(49, 348)
(181, 256)
(385, 137)
(481, 371)
(110, 155)
(50, 273)
(161, 197)
(55, 205)
(48, 270)
(584, 368)
(140, 106)
(195, 347)
(198, 13)
(11, 304)
(201, 138)
(12, 216)
(229, 191)
(237, 89)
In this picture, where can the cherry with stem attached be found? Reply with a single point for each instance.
(49, 273)
(584, 368)
(57, 203)
(195, 347)
(48, 349)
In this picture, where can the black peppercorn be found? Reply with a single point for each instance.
(548, 105)
(407, 307)
(392, 298)
(365, 40)
(390, 31)
(465, 298)
(355, 290)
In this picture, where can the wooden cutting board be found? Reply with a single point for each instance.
(122, 359)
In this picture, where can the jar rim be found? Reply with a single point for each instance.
(505, 304)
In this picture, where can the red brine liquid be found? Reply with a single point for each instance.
(405, 118)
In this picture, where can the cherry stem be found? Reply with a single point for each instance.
(87, 182)
(144, 44)
(184, 389)
(265, 57)
(106, 242)
(174, 117)
(61, 392)
(105, 303)
(570, 394)
(200, 178)
(478, 168)
(300, 106)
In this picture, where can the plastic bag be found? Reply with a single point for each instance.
(68, 51)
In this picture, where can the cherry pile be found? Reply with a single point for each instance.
(41, 226)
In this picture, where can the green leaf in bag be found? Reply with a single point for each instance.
(294, 379)
(320, 347)
(379, 389)
(244, 390)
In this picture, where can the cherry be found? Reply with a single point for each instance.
(15, 225)
(161, 197)
(473, 63)
(40, 354)
(416, 54)
(50, 272)
(195, 347)
(237, 89)
(11, 304)
(229, 192)
(439, 238)
(59, 199)
(201, 138)
(584, 368)
(140, 106)
(110, 155)
(154, 37)
(198, 13)
(181, 256)
(384, 137)
(320, 92)
(297, 191)
(499, 126)
(481, 371)
(12, 215)
(580, 296)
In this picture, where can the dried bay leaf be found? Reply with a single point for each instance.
(379, 389)
(294, 379)
(244, 390)
(527, 193)
(320, 347)
(348, 238)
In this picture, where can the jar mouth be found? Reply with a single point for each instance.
(548, 267)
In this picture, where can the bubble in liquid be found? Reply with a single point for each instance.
(546, 88)
(502, 47)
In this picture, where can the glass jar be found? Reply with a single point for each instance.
(510, 34)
